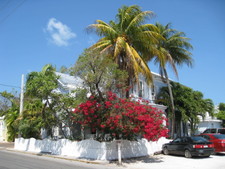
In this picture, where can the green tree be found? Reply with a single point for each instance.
(172, 49)
(189, 104)
(99, 73)
(46, 108)
(39, 88)
(221, 114)
(10, 111)
(128, 41)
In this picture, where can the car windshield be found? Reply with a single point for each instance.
(220, 136)
(222, 131)
(198, 139)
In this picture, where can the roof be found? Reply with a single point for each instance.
(70, 82)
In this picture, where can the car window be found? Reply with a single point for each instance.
(206, 137)
(184, 140)
(220, 136)
(221, 131)
(198, 139)
(213, 130)
(178, 140)
(207, 131)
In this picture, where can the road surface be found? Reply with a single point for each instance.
(18, 160)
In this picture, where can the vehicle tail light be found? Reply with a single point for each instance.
(197, 146)
(203, 146)
(211, 145)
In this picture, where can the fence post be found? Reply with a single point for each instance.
(119, 152)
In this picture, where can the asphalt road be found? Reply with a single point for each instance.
(18, 160)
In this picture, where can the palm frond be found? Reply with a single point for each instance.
(102, 29)
(138, 20)
(119, 46)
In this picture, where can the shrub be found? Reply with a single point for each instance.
(121, 118)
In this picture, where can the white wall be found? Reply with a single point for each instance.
(90, 149)
(2, 129)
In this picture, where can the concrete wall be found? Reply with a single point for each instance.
(90, 149)
(3, 130)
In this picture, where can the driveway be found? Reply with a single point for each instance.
(177, 162)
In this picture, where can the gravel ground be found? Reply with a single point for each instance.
(176, 162)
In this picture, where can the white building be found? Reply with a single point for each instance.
(69, 83)
(2, 129)
(209, 122)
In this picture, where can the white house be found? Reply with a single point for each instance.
(2, 129)
(69, 83)
(209, 122)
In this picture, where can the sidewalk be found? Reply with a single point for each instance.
(6, 144)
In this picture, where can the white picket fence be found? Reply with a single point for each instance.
(90, 149)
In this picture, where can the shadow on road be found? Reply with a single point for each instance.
(220, 154)
(147, 159)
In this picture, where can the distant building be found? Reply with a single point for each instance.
(209, 122)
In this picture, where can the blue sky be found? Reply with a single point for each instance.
(34, 33)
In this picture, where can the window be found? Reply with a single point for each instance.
(206, 137)
(153, 92)
(213, 130)
(178, 140)
(207, 131)
(198, 139)
(140, 93)
(220, 136)
(221, 131)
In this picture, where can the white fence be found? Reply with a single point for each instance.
(90, 149)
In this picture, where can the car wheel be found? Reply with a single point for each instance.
(165, 151)
(187, 154)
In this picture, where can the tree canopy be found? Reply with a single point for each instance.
(10, 111)
(99, 73)
(189, 104)
(221, 114)
(128, 41)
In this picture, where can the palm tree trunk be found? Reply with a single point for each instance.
(172, 103)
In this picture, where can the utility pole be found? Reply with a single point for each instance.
(21, 94)
(21, 100)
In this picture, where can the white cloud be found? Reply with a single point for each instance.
(59, 32)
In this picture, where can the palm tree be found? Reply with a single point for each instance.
(128, 41)
(173, 49)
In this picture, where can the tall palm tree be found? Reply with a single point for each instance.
(128, 41)
(173, 49)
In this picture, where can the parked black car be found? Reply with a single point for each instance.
(189, 147)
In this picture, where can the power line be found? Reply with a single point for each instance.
(4, 5)
(10, 13)
(9, 85)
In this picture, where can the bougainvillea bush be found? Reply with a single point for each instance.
(120, 118)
